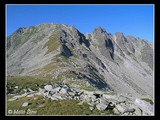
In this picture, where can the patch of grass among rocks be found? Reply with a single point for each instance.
(24, 82)
(148, 100)
(41, 106)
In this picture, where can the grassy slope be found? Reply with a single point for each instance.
(53, 43)
(148, 100)
(26, 82)
(63, 107)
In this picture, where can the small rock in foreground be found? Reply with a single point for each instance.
(25, 104)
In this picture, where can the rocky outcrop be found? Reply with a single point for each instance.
(120, 105)
(104, 42)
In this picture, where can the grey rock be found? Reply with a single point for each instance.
(16, 87)
(30, 90)
(102, 105)
(87, 84)
(125, 114)
(13, 99)
(80, 93)
(25, 104)
(48, 87)
(121, 101)
(41, 90)
(105, 43)
(30, 95)
(86, 98)
(91, 108)
(131, 110)
(71, 93)
(93, 97)
(24, 90)
(146, 107)
(38, 93)
(147, 55)
(120, 108)
(57, 89)
(63, 91)
(58, 96)
(116, 111)
(138, 112)
(76, 98)
(24, 95)
(54, 98)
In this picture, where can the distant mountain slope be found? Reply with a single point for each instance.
(116, 63)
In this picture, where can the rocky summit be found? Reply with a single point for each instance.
(98, 68)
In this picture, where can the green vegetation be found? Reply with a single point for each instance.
(57, 80)
(49, 107)
(53, 43)
(62, 58)
(53, 65)
(24, 82)
(148, 100)
(88, 88)
(49, 67)
(81, 84)
(62, 76)
(28, 34)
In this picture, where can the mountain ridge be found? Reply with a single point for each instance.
(118, 63)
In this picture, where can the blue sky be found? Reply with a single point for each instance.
(135, 20)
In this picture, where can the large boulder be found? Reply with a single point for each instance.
(85, 98)
(138, 111)
(72, 93)
(146, 107)
(102, 105)
(129, 111)
(63, 91)
(116, 111)
(57, 89)
(120, 108)
(48, 87)
(92, 96)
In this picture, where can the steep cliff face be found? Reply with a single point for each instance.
(105, 43)
(116, 63)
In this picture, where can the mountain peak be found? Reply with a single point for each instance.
(119, 34)
(99, 30)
